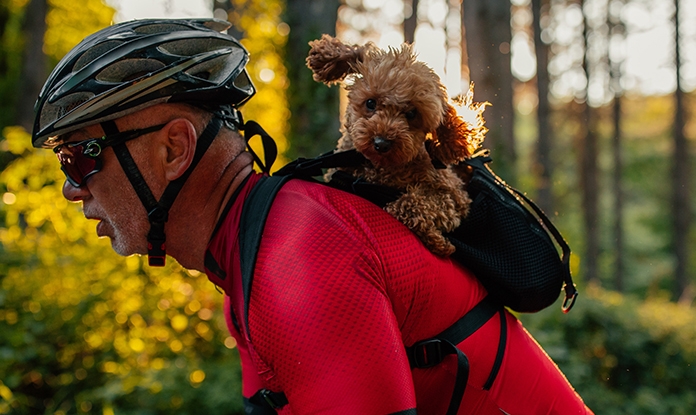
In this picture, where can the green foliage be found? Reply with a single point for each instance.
(11, 14)
(67, 24)
(83, 330)
(647, 188)
(623, 355)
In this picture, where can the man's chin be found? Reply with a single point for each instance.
(126, 249)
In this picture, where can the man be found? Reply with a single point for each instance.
(144, 119)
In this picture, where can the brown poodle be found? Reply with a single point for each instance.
(399, 117)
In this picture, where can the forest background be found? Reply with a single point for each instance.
(83, 330)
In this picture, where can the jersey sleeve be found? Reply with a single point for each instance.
(320, 318)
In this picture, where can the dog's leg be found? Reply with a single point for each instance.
(428, 215)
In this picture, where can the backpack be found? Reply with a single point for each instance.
(505, 240)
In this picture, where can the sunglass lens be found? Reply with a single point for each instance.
(76, 165)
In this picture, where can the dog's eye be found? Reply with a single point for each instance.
(411, 114)
(371, 104)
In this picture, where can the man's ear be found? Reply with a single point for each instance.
(179, 139)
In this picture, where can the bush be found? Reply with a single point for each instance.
(623, 355)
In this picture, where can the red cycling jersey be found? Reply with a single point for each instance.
(340, 287)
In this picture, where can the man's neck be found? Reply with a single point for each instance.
(201, 210)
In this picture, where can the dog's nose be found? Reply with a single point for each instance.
(381, 144)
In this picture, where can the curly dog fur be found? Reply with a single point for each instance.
(400, 118)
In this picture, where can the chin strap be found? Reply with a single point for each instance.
(158, 211)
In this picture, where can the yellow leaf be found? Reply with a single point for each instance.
(18, 140)
(179, 322)
(5, 392)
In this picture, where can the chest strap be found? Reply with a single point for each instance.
(425, 354)
(431, 352)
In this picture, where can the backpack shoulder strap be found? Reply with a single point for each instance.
(255, 211)
(253, 219)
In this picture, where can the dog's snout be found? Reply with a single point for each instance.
(381, 144)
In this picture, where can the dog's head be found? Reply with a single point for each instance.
(396, 104)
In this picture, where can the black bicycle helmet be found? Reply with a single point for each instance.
(129, 66)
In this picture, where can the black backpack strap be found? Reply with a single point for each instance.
(431, 352)
(253, 219)
(303, 167)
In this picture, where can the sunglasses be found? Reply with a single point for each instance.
(80, 160)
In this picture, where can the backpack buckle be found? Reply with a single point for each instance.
(275, 400)
(426, 353)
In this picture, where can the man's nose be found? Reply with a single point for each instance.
(74, 194)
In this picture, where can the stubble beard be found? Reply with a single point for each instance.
(128, 237)
(127, 244)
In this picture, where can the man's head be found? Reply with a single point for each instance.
(163, 155)
(148, 93)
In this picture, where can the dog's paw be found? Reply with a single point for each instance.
(427, 220)
(440, 246)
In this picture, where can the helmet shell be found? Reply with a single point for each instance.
(133, 65)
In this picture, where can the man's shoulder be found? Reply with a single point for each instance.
(309, 211)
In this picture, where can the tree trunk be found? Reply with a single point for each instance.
(544, 167)
(681, 205)
(314, 124)
(617, 27)
(618, 196)
(488, 37)
(411, 22)
(34, 62)
(588, 178)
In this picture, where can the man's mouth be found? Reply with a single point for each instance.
(100, 226)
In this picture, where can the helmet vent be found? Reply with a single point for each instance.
(217, 25)
(243, 82)
(190, 47)
(201, 75)
(149, 29)
(58, 109)
(215, 70)
(95, 52)
(128, 69)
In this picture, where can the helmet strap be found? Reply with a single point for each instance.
(158, 211)
(270, 149)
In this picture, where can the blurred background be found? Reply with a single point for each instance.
(592, 115)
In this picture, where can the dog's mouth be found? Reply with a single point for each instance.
(383, 152)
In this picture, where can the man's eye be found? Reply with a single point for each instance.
(371, 104)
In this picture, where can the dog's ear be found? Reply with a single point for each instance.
(331, 60)
(460, 134)
(452, 141)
